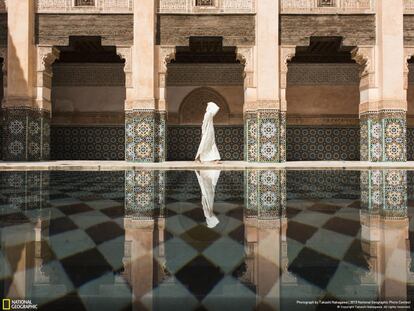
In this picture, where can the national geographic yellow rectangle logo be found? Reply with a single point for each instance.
(5, 304)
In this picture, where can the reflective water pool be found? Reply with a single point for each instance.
(206, 240)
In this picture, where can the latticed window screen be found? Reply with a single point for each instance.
(322, 3)
(204, 2)
(84, 2)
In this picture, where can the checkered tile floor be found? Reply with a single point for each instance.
(64, 245)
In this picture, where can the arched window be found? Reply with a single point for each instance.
(193, 107)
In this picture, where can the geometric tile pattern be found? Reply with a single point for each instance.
(183, 142)
(265, 193)
(81, 253)
(265, 136)
(145, 136)
(310, 184)
(144, 194)
(87, 143)
(383, 136)
(322, 144)
(384, 192)
(26, 134)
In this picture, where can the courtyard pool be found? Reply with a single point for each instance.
(207, 240)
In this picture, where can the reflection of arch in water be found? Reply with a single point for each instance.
(194, 105)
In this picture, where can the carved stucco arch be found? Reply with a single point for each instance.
(408, 54)
(364, 57)
(193, 106)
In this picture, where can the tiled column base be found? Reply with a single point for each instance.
(383, 136)
(144, 194)
(384, 192)
(26, 134)
(265, 193)
(145, 136)
(265, 136)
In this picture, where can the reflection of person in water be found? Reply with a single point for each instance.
(208, 181)
(207, 151)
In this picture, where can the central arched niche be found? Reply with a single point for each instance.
(201, 72)
(194, 106)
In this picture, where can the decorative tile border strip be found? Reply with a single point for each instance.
(26, 134)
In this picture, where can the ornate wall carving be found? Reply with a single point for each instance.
(96, 6)
(356, 29)
(205, 74)
(88, 75)
(206, 7)
(55, 29)
(236, 29)
(328, 7)
(408, 6)
(364, 56)
(323, 74)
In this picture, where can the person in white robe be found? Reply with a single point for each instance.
(207, 151)
(207, 180)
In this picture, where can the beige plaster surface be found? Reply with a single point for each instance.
(322, 99)
(190, 165)
(82, 99)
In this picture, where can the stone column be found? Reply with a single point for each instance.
(25, 120)
(144, 230)
(265, 218)
(144, 124)
(383, 98)
(384, 231)
(265, 122)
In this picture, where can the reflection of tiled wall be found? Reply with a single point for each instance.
(384, 192)
(322, 143)
(183, 142)
(183, 186)
(323, 184)
(88, 143)
(410, 144)
(265, 193)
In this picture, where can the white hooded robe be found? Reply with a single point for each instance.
(208, 181)
(207, 151)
